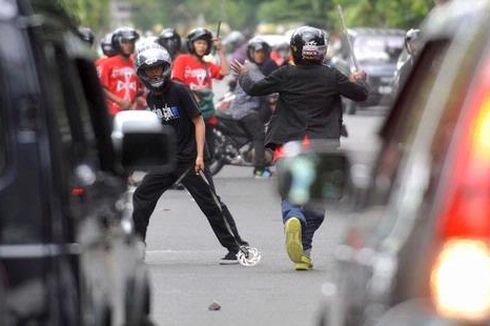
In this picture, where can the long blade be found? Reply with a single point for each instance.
(346, 33)
(218, 29)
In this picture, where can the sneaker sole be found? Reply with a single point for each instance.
(234, 262)
(305, 265)
(294, 245)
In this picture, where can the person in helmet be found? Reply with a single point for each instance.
(280, 54)
(107, 52)
(251, 111)
(87, 35)
(413, 45)
(192, 70)
(174, 104)
(171, 41)
(106, 46)
(307, 109)
(117, 74)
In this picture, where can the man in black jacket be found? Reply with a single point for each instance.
(309, 93)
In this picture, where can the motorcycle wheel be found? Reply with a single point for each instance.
(217, 158)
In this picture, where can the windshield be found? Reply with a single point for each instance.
(378, 48)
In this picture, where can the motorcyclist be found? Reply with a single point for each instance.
(280, 54)
(171, 41)
(309, 93)
(413, 42)
(192, 70)
(248, 110)
(87, 35)
(107, 52)
(117, 74)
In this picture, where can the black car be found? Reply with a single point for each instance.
(68, 255)
(377, 51)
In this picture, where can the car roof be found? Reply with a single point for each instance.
(447, 19)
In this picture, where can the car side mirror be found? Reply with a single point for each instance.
(141, 142)
(314, 176)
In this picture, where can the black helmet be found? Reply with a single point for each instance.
(308, 45)
(151, 55)
(199, 34)
(257, 44)
(170, 40)
(106, 45)
(87, 35)
(123, 33)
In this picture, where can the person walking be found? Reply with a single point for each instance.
(307, 108)
(176, 107)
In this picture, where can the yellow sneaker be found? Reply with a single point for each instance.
(304, 265)
(294, 245)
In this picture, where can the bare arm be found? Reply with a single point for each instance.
(225, 67)
(200, 130)
(119, 101)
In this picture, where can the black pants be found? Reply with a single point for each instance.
(254, 127)
(155, 184)
(209, 138)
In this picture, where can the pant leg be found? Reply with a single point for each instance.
(209, 137)
(225, 210)
(146, 196)
(201, 192)
(311, 220)
(314, 218)
(289, 210)
(254, 126)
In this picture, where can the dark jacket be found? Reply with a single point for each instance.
(308, 103)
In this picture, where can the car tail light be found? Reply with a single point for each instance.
(460, 278)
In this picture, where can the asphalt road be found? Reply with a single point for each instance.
(183, 253)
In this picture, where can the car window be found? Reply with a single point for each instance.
(3, 141)
(98, 112)
(75, 108)
(398, 134)
(64, 130)
(384, 48)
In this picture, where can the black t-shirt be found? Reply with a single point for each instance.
(176, 107)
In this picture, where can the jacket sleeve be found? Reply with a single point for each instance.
(355, 91)
(270, 84)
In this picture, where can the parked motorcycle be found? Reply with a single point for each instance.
(231, 144)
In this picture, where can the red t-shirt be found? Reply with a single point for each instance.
(119, 77)
(99, 64)
(194, 73)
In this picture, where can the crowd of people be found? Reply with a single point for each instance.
(176, 84)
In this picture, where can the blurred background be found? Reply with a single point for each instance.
(276, 16)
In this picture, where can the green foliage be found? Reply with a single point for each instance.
(311, 12)
(89, 13)
(245, 15)
(382, 13)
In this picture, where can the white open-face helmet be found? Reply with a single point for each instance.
(153, 55)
